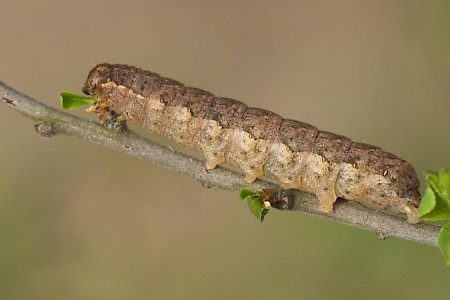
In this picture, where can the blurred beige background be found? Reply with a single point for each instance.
(81, 222)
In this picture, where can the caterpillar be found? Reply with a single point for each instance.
(295, 154)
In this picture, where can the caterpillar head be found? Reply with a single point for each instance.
(98, 75)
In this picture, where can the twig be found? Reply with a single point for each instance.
(51, 121)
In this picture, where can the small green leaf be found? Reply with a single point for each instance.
(435, 204)
(444, 242)
(257, 208)
(244, 193)
(440, 183)
(444, 183)
(70, 100)
(431, 207)
(428, 202)
(255, 203)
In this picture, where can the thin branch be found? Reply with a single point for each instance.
(51, 121)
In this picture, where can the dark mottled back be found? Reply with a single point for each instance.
(260, 123)
(228, 112)
(298, 136)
